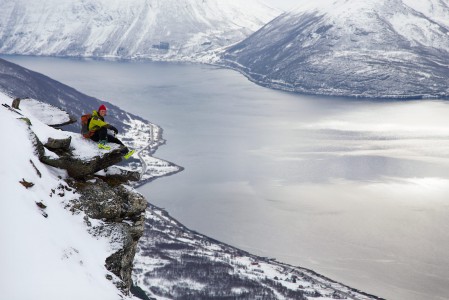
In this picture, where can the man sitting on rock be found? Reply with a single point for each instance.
(101, 135)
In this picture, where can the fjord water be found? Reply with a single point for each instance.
(357, 190)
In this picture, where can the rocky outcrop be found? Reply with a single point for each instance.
(58, 144)
(79, 168)
(76, 168)
(115, 175)
(123, 211)
(101, 201)
(120, 209)
(16, 103)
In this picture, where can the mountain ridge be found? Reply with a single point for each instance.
(375, 49)
(138, 29)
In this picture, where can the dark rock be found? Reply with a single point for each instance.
(38, 146)
(54, 144)
(41, 205)
(100, 201)
(134, 203)
(115, 176)
(120, 263)
(78, 168)
(15, 103)
(36, 169)
(139, 293)
(123, 211)
(26, 183)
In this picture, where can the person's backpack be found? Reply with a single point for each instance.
(85, 120)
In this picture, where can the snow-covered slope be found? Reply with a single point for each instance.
(126, 29)
(372, 48)
(44, 257)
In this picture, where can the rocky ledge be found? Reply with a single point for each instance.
(122, 212)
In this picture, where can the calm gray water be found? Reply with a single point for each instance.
(354, 189)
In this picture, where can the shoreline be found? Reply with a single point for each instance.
(212, 59)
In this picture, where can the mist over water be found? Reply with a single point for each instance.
(354, 189)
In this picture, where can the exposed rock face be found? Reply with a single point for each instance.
(79, 168)
(123, 210)
(56, 144)
(102, 201)
(115, 175)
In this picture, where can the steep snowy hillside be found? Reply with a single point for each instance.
(157, 29)
(373, 48)
(46, 252)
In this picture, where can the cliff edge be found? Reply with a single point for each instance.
(77, 233)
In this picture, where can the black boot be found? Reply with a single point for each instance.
(124, 150)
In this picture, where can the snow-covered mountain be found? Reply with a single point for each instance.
(372, 48)
(157, 29)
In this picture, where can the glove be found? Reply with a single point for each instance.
(113, 129)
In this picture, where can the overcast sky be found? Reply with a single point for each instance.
(282, 4)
